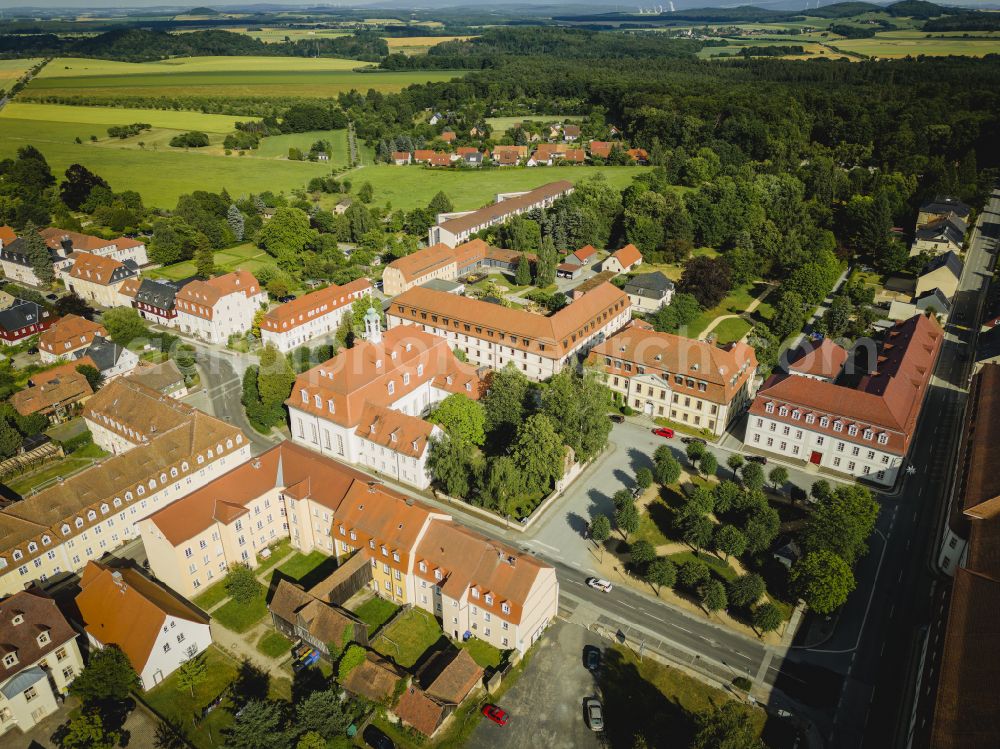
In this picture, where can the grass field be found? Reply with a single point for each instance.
(406, 639)
(500, 124)
(418, 45)
(62, 468)
(239, 617)
(160, 176)
(375, 612)
(220, 77)
(242, 257)
(103, 117)
(276, 146)
(274, 644)
(901, 44)
(408, 187)
(11, 70)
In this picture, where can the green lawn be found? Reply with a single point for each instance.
(276, 146)
(658, 700)
(246, 256)
(274, 645)
(375, 612)
(653, 524)
(159, 176)
(482, 652)
(278, 550)
(11, 70)
(408, 637)
(734, 304)
(731, 330)
(176, 703)
(62, 468)
(413, 186)
(212, 595)
(715, 564)
(239, 617)
(299, 565)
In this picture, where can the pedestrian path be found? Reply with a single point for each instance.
(749, 310)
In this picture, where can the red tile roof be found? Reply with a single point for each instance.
(506, 207)
(601, 148)
(889, 399)
(122, 607)
(415, 708)
(68, 334)
(406, 358)
(825, 359)
(628, 255)
(522, 329)
(7, 235)
(585, 253)
(299, 311)
(53, 238)
(723, 370)
(94, 268)
(398, 431)
(200, 297)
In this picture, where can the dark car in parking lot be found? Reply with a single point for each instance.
(692, 440)
(757, 459)
(616, 418)
(592, 658)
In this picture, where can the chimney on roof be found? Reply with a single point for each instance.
(511, 560)
(409, 501)
(255, 463)
(118, 580)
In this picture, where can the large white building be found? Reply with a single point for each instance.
(163, 451)
(415, 554)
(316, 314)
(494, 336)
(859, 431)
(220, 307)
(453, 229)
(155, 629)
(366, 405)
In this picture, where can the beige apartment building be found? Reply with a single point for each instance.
(495, 336)
(672, 377)
(416, 555)
(62, 527)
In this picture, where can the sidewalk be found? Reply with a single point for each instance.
(749, 310)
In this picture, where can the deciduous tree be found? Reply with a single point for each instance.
(766, 618)
(746, 590)
(627, 519)
(726, 727)
(461, 417)
(713, 596)
(730, 541)
(823, 580)
(108, 678)
(538, 453)
(661, 572)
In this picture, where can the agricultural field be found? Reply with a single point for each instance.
(811, 49)
(219, 77)
(418, 45)
(159, 173)
(274, 34)
(101, 118)
(901, 44)
(409, 187)
(11, 70)
(276, 146)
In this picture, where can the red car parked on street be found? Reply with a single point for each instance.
(494, 713)
(664, 432)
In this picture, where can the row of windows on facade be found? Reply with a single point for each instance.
(698, 403)
(679, 379)
(866, 469)
(824, 421)
(581, 333)
(91, 515)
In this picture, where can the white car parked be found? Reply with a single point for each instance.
(599, 584)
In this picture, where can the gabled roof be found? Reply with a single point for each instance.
(105, 353)
(506, 207)
(221, 500)
(421, 711)
(723, 370)
(889, 398)
(379, 374)
(933, 299)
(323, 621)
(200, 297)
(454, 678)
(823, 359)
(7, 235)
(40, 614)
(944, 204)
(524, 330)
(69, 333)
(395, 430)
(58, 239)
(948, 260)
(422, 262)
(656, 282)
(101, 270)
(20, 315)
(628, 255)
(375, 678)
(299, 311)
(124, 608)
(585, 253)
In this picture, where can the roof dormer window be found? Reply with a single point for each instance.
(43, 638)
(838, 426)
(406, 378)
(420, 370)
(392, 387)
(769, 407)
(852, 430)
(10, 659)
(883, 438)
(489, 599)
(868, 433)
(305, 396)
(423, 566)
(32, 547)
(505, 608)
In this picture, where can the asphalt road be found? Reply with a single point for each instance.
(877, 699)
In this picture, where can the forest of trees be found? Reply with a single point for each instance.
(143, 45)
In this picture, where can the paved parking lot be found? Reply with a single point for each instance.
(546, 704)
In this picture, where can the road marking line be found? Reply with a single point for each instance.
(628, 605)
